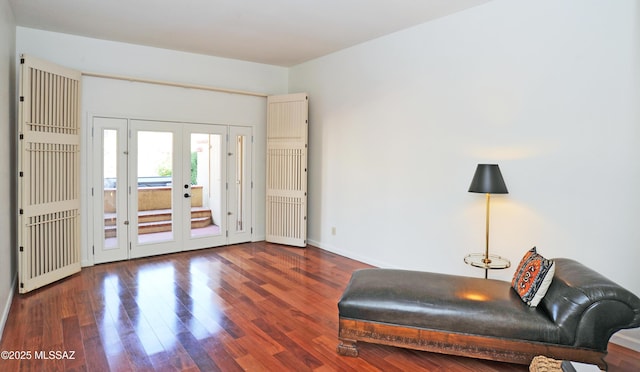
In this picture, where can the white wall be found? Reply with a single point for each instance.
(7, 160)
(94, 55)
(147, 101)
(549, 90)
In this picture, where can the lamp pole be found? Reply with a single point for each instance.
(486, 259)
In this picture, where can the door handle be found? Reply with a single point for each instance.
(186, 195)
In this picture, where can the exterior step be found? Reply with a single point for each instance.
(158, 221)
(154, 216)
(199, 222)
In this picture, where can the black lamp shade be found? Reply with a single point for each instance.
(488, 180)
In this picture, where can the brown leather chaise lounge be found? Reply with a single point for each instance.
(485, 318)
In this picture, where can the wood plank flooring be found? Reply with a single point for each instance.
(255, 307)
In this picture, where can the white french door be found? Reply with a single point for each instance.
(164, 187)
(110, 191)
(239, 185)
(203, 186)
(155, 175)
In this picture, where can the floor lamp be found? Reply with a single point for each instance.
(488, 180)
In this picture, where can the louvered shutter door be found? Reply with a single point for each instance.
(49, 173)
(287, 135)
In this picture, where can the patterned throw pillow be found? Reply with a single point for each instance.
(533, 277)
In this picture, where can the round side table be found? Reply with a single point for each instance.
(493, 262)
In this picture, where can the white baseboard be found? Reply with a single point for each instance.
(86, 263)
(7, 307)
(350, 255)
(628, 338)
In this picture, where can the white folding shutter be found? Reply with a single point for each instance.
(49, 173)
(287, 134)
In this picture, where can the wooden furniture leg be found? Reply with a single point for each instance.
(347, 347)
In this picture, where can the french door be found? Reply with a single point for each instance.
(164, 187)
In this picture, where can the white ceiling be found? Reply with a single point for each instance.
(276, 32)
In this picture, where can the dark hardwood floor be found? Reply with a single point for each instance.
(256, 307)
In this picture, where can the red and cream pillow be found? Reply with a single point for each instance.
(533, 277)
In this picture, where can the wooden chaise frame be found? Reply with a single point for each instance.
(492, 348)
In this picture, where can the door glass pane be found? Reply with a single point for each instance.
(240, 183)
(206, 184)
(155, 187)
(110, 176)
